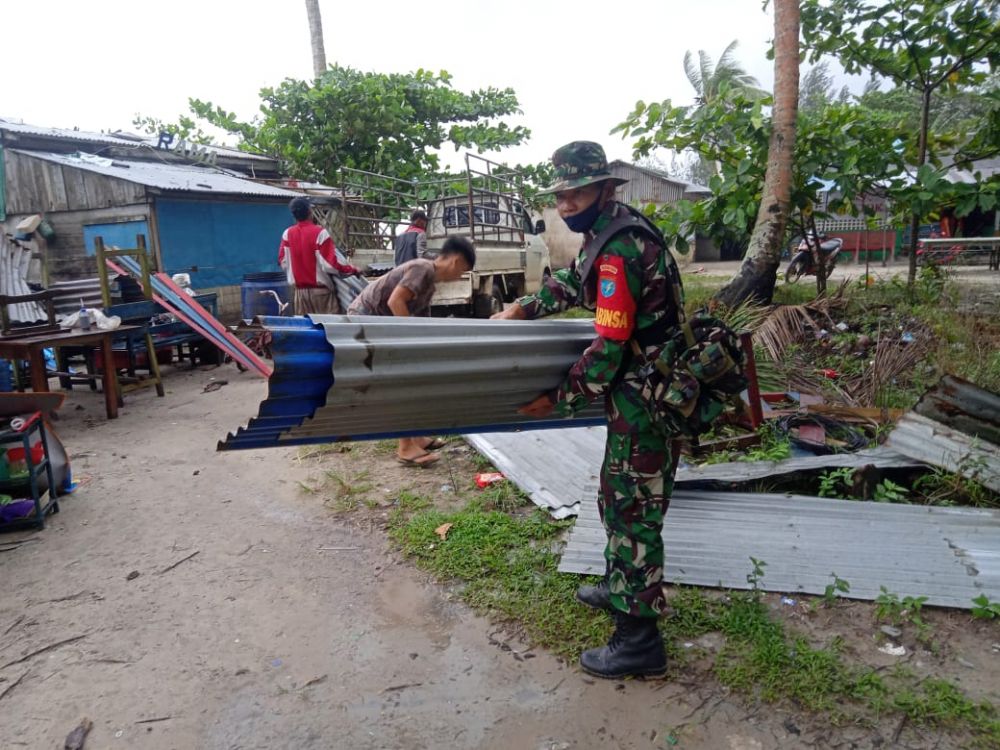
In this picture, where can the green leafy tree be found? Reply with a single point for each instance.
(840, 144)
(926, 46)
(390, 124)
(707, 78)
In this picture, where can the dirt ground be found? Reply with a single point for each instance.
(194, 599)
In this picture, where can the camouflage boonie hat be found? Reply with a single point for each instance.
(580, 163)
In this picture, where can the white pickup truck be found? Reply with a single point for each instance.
(485, 205)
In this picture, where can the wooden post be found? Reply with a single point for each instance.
(102, 271)
(147, 284)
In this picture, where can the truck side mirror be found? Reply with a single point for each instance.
(540, 226)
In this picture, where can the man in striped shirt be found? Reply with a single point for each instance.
(309, 258)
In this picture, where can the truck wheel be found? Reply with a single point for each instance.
(486, 305)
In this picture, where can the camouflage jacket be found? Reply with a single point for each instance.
(633, 284)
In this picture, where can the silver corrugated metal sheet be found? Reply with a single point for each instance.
(559, 468)
(956, 426)
(949, 555)
(396, 376)
(127, 140)
(14, 261)
(181, 177)
(555, 468)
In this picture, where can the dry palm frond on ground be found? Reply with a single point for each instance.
(787, 324)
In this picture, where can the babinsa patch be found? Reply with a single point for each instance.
(615, 318)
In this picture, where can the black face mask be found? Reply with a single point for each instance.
(584, 220)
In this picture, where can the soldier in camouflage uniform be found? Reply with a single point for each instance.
(635, 290)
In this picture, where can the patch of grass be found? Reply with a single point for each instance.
(505, 566)
(341, 493)
(481, 463)
(503, 496)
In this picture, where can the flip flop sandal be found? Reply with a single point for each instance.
(417, 462)
(435, 444)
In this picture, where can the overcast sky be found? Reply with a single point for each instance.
(578, 68)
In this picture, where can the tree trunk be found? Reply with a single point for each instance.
(921, 160)
(759, 271)
(316, 37)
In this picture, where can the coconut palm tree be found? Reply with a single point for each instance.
(316, 37)
(707, 78)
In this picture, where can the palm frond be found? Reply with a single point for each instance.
(692, 73)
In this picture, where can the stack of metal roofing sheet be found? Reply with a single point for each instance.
(955, 425)
(394, 377)
(949, 555)
(14, 262)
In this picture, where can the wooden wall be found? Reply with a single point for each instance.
(68, 198)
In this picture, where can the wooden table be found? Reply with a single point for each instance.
(31, 348)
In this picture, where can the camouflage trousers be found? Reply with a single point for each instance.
(636, 481)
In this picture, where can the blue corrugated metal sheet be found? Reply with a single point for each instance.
(394, 377)
(303, 374)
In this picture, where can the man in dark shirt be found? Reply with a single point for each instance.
(412, 243)
(407, 290)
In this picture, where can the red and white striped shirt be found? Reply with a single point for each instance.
(309, 257)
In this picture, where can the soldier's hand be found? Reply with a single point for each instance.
(540, 407)
(514, 312)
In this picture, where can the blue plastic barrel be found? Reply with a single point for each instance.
(254, 303)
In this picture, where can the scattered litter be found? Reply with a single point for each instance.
(688, 644)
(276, 662)
(132, 576)
(829, 373)
(891, 649)
(965, 662)
(787, 601)
(314, 681)
(153, 721)
(76, 738)
(446, 488)
(842, 326)
(336, 549)
(890, 631)
(394, 688)
(907, 338)
(442, 530)
(485, 480)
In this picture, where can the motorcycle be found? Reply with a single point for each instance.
(803, 263)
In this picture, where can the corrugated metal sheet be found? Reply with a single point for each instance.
(956, 426)
(394, 377)
(14, 262)
(179, 177)
(559, 468)
(127, 140)
(949, 555)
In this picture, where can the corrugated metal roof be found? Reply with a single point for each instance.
(394, 377)
(558, 469)
(949, 555)
(130, 140)
(174, 177)
(956, 426)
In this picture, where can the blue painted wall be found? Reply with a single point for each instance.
(224, 239)
(121, 234)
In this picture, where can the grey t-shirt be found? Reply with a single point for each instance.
(415, 275)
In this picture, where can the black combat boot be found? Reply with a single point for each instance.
(635, 650)
(596, 597)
